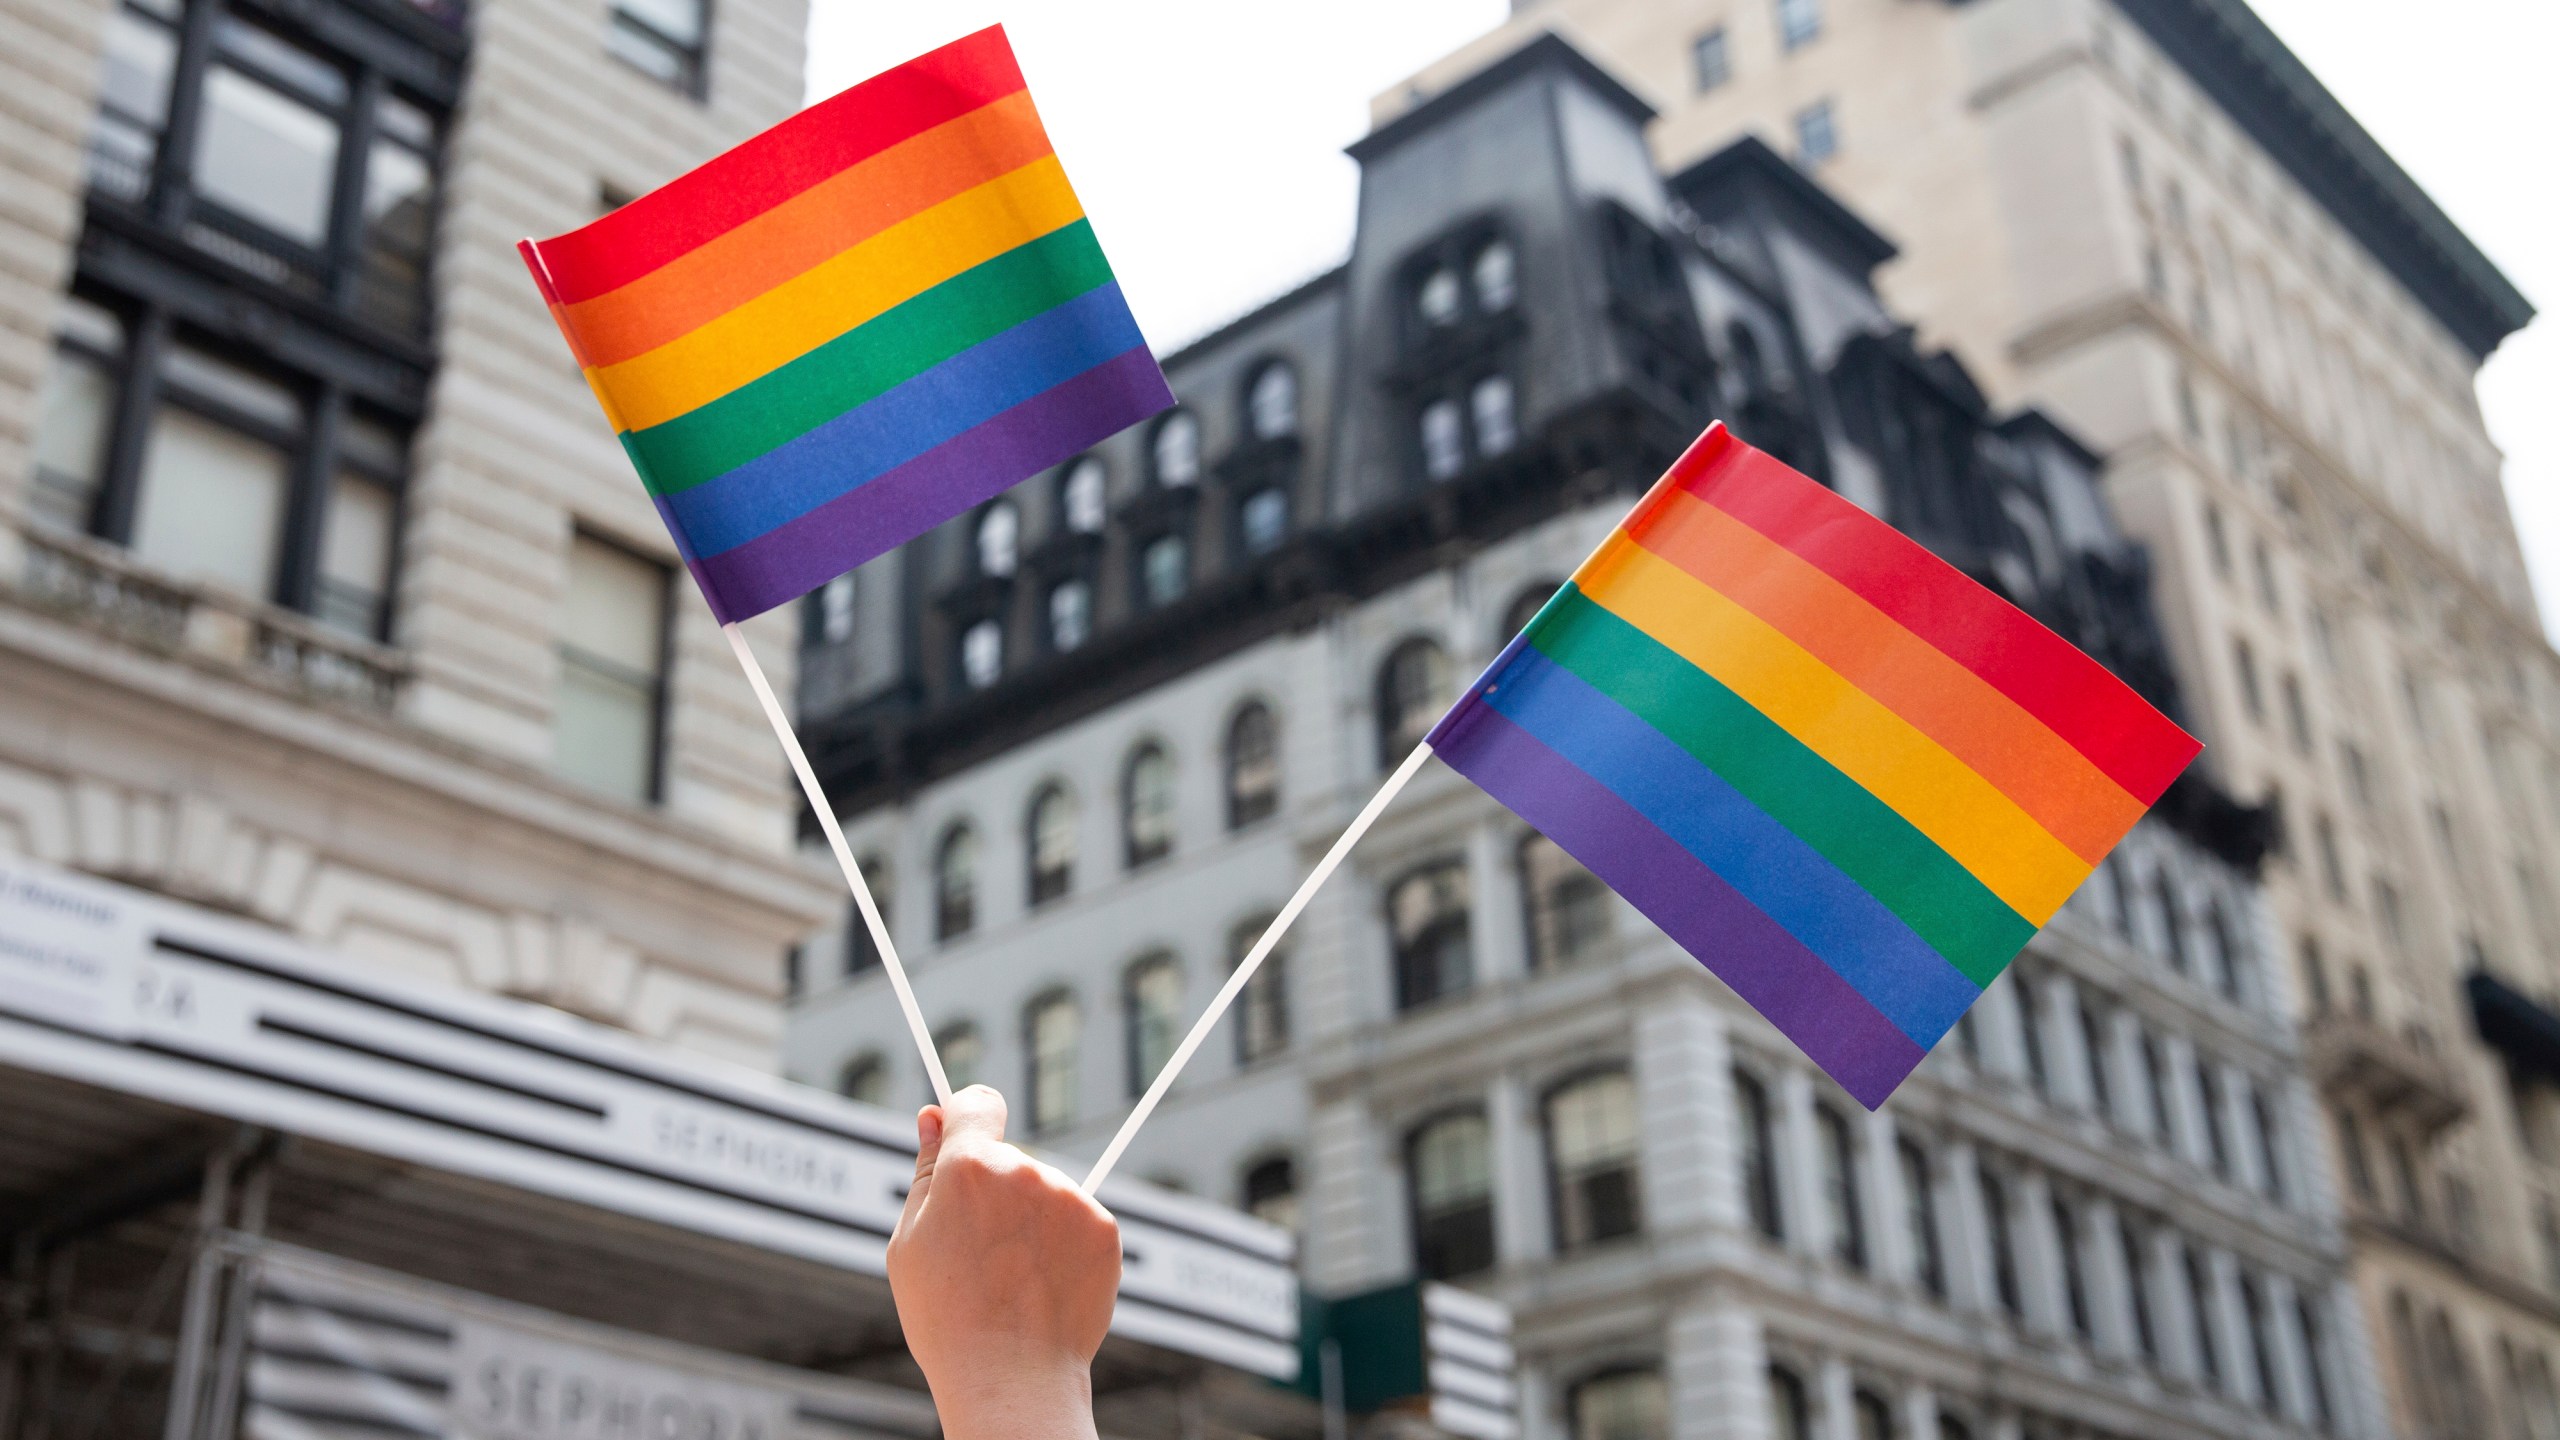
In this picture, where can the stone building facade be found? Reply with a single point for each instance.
(2147, 217)
(324, 597)
(1088, 738)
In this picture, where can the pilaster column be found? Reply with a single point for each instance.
(1995, 1018)
(1499, 925)
(1888, 1239)
(1716, 1368)
(2064, 1051)
(1356, 1230)
(2239, 1127)
(2132, 1088)
(2110, 1287)
(2292, 1375)
(1920, 1412)
(2181, 1328)
(2047, 1310)
(2355, 1375)
(1799, 1178)
(2231, 1326)
(1521, 1230)
(1690, 1154)
(2186, 1107)
(1835, 1411)
(1969, 1283)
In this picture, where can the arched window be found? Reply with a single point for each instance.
(1271, 1191)
(2075, 1280)
(1621, 1405)
(1920, 1218)
(1839, 1158)
(1524, 607)
(865, 1077)
(1052, 1040)
(2208, 1321)
(955, 882)
(1789, 1416)
(1070, 615)
(2002, 1240)
(1428, 918)
(1569, 918)
(1875, 1417)
(860, 952)
(982, 654)
(1151, 1002)
(835, 611)
(1490, 406)
(1262, 1008)
(2137, 1285)
(1451, 1162)
(1164, 569)
(1496, 274)
(1177, 450)
(1253, 765)
(1438, 299)
(1263, 520)
(1082, 501)
(1050, 839)
(963, 1053)
(1443, 437)
(1759, 1167)
(1413, 688)
(1591, 1153)
(1146, 806)
(1272, 402)
(999, 540)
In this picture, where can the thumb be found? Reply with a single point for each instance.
(929, 1130)
(975, 1116)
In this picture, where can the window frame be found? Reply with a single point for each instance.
(1135, 1021)
(693, 62)
(1419, 1221)
(1043, 886)
(1133, 855)
(1262, 805)
(1410, 995)
(662, 683)
(1038, 1073)
(1567, 1238)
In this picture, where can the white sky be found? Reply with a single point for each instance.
(1205, 138)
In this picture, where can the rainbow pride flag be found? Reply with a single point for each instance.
(1848, 779)
(852, 327)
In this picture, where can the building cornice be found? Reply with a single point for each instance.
(2232, 55)
(1547, 49)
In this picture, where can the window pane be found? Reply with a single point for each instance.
(612, 630)
(835, 609)
(1165, 569)
(1177, 449)
(74, 414)
(1253, 766)
(1080, 496)
(1568, 906)
(1056, 1034)
(1147, 806)
(1439, 299)
(1591, 1143)
(615, 610)
(1155, 1020)
(1265, 520)
(605, 730)
(864, 1078)
(680, 21)
(999, 540)
(1714, 64)
(133, 103)
(355, 555)
(399, 189)
(1274, 402)
(1262, 1019)
(1444, 449)
(1053, 845)
(955, 883)
(636, 45)
(1497, 277)
(1632, 1406)
(1497, 431)
(1271, 1193)
(1817, 134)
(212, 502)
(1070, 615)
(964, 1055)
(1428, 916)
(982, 654)
(265, 155)
(1413, 688)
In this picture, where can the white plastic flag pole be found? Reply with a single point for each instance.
(1252, 961)
(862, 900)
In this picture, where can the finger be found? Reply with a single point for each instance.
(928, 1149)
(975, 1115)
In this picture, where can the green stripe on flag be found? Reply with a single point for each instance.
(891, 348)
(1885, 854)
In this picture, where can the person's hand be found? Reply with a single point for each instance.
(1004, 1275)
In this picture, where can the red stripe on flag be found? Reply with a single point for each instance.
(739, 184)
(2075, 696)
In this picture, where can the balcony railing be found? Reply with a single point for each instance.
(103, 588)
(2349, 1054)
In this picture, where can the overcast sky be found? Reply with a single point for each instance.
(1206, 142)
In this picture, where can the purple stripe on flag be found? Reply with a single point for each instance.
(1834, 1024)
(900, 504)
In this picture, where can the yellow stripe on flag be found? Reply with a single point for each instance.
(1967, 816)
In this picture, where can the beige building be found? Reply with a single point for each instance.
(2150, 218)
(325, 599)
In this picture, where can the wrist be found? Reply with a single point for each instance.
(1004, 1400)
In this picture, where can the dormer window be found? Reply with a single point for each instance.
(1177, 450)
(1273, 401)
(999, 540)
(1497, 277)
(1439, 300)
(1080, 497)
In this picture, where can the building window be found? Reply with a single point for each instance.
(1271, 1192)
(2155, 1080)
(1427, 916)
(1152, 1002)
(216, 475)
(1052, 1039)
(1711, 60)
(1799, 22)
(2137, 1285)
(2093, 1049)
(982, 654)
(1051, 837)
(663, 39)
(1817, 134)
(1438, 299)
(1451, 1161)
(1413, 688)
(1920, 1219)
(2208, 1325)
(2075, 1282)
(1591, 1154)
(864, 1078)
(1569, 919)
(2209, 1100)
(1272, 402)
(1759, 1167)
(1070, 615)
(1262, 1007)
(360, 530)
(1253, 766)
(1263, 520)
(1176, 450)
(955, 882)
(2031, 1034)
(1080, 496)
(1444, 440)
(1621, 1405)
(2262, 1356)
(2270, 1159)
(75, 416)
(1490, 405)
(133, 98)
(999, 540)
(964, 1054)
(2315, 1367)
(2244, 662)
(1164, 570)
(2173, 924)
(834, 610)
(1874, 1416)
(1496, 275)
(1838, 1155)
(613, 656)
(861, 952)
(1790, 1417)
(1146, 806)
(1999, 1233)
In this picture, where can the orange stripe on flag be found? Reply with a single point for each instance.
(809, 229)
(1990, 733)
